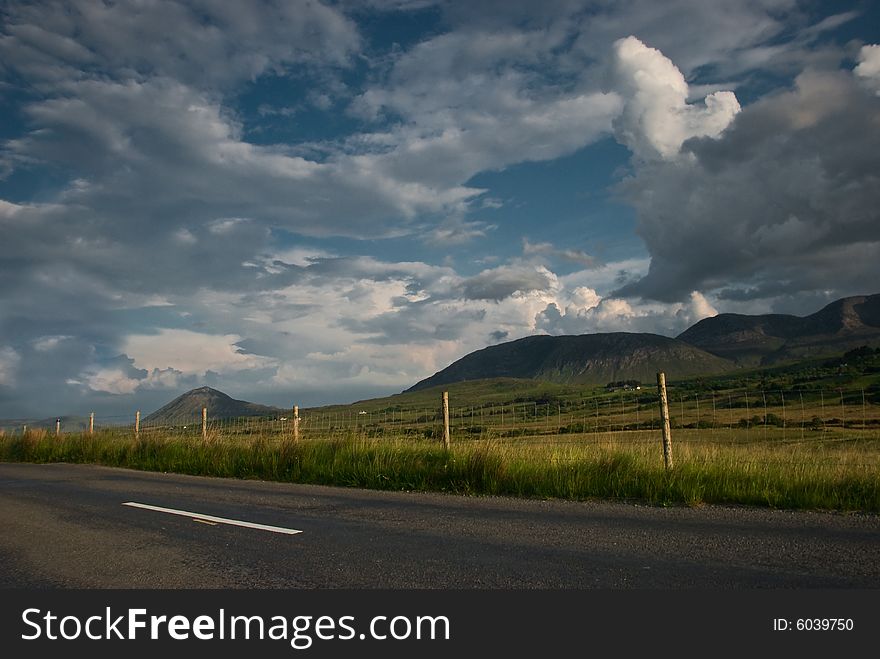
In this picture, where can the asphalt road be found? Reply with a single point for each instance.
(65, 526)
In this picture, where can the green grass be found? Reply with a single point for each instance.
(738, 439)
(833, 475)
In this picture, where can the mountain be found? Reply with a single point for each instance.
(773, 338)
(220, 406)
(583, 359)
(710, 347)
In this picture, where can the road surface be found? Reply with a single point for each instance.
(80, 526)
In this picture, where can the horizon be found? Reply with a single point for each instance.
(244, 398)
(320, 203)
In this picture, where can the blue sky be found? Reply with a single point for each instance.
(306, 202)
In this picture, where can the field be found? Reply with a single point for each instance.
(833, 468)
(799, 437)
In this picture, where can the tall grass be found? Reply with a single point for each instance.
(835, 477)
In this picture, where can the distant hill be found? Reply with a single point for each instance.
(583, 359)
(773, 338)
(220, 406)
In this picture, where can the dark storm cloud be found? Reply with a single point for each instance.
(786, 200)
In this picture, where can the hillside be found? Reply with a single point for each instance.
(592, 359)
(220, 406)
(774, 338)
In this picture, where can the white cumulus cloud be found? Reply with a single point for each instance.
(110, 381)
(868, 68)
(585, 311)
(191, 352)
(656, 117)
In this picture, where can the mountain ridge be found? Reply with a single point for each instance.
(767, 339)
(581, 359)
(712, 346)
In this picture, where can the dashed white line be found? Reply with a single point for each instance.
(211, 518)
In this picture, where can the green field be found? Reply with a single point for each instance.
(833, 473)
(802, 436)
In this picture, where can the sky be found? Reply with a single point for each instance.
(321, 202)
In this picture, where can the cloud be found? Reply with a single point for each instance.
(384, 366)
(726, 40)
(656, 117)
(182, 157)
(783, 202)
(9, 362)
(226, 225)
(191, 352)
(49, 343)
(868, 68)
(477, 99)
(571, 255)
(200, 43)
(456, 231)
(110, 380)
(506, 281)
(699, 308)
(588, 313)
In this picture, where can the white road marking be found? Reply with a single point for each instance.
(211, 518)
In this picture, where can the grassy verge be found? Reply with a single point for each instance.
(842, 478)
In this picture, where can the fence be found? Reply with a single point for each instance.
(625, 415)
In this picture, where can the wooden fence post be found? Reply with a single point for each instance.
(137, 423)
(446, 438)
(204, 423)
(91, 423)
(664, 419)
(296, 423)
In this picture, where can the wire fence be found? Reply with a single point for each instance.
(625, 415)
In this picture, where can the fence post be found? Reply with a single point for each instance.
(664, 418)
(296, 423)
(91, 423)
(204, 423)
(137, 423)
(58, 427)
(446, 439)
